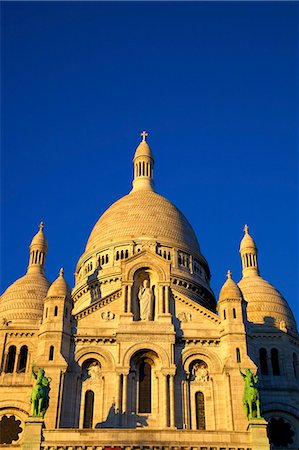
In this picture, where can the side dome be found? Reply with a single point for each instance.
(230, 289)
(23, 301)
(59, 287)
(265, 303)
(143, 214)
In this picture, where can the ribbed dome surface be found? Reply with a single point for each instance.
(23, 300)
(59, 287)
(230, 290)
(143, 214)
(265, 301)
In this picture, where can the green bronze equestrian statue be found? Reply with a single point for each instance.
(40, 393)
(251, 397)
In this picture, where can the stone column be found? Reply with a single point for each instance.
(124, 400)
(118, 394)
(125, 298)
(165, 401)
(129, 300)
(161, 300)
(166, 292)
(171, 401)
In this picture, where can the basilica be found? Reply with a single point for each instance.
(140, 354)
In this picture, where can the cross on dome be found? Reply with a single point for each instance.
(144, 135)
(41, 226)
(229, 274)
(246, 229)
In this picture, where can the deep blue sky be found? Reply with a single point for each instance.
(213, 83)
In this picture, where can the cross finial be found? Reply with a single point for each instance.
(41, 226)
(229, 274)
(61, 272)
(144, 135)
(246, 229)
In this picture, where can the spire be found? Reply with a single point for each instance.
(143, 166)
(248, 251)
(38, 251)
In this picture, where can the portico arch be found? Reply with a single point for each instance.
(103, 356)
(145, 346)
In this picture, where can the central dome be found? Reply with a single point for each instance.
(143, 214)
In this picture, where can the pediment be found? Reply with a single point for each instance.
(100, 306)
(189, 311)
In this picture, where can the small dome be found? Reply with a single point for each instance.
(24, 299)
(265, 303)
(143, 148)
(247, 242)
(40, 239)
(59, 287)
(230, 289)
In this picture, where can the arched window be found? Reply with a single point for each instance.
(295, 366)
(263, 361)
(56, 311)
(238, 355)
(145, 388)
(224, 314)
(51, 353)
(234, 313)
(10, 359)
(200, 411)
(117, 256)
(46, 312)
(88, 409)
(66, 312)
(22, 360)
(275, 361)
(107, 259)
(127, 254)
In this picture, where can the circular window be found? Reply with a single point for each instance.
(10, 429)
(280, 432)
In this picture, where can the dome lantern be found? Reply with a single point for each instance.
(38, 251)
(248, 251)
(143, 166)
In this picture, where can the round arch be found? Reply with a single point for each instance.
(103, 356)
(209, 357)
(162, 354)
(150, 265)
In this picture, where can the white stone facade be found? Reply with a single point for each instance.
(139, 353)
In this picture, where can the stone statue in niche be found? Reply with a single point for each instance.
(200, 372)
(94, 371)
(146, 298)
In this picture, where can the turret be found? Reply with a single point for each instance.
(143, 166)
(38, 251)
(55, 331)
(231, 308)
(248, 251)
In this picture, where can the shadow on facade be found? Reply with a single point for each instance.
(115, 419)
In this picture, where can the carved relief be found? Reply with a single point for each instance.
(107, 315)
(200, 372)
(184, 316)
